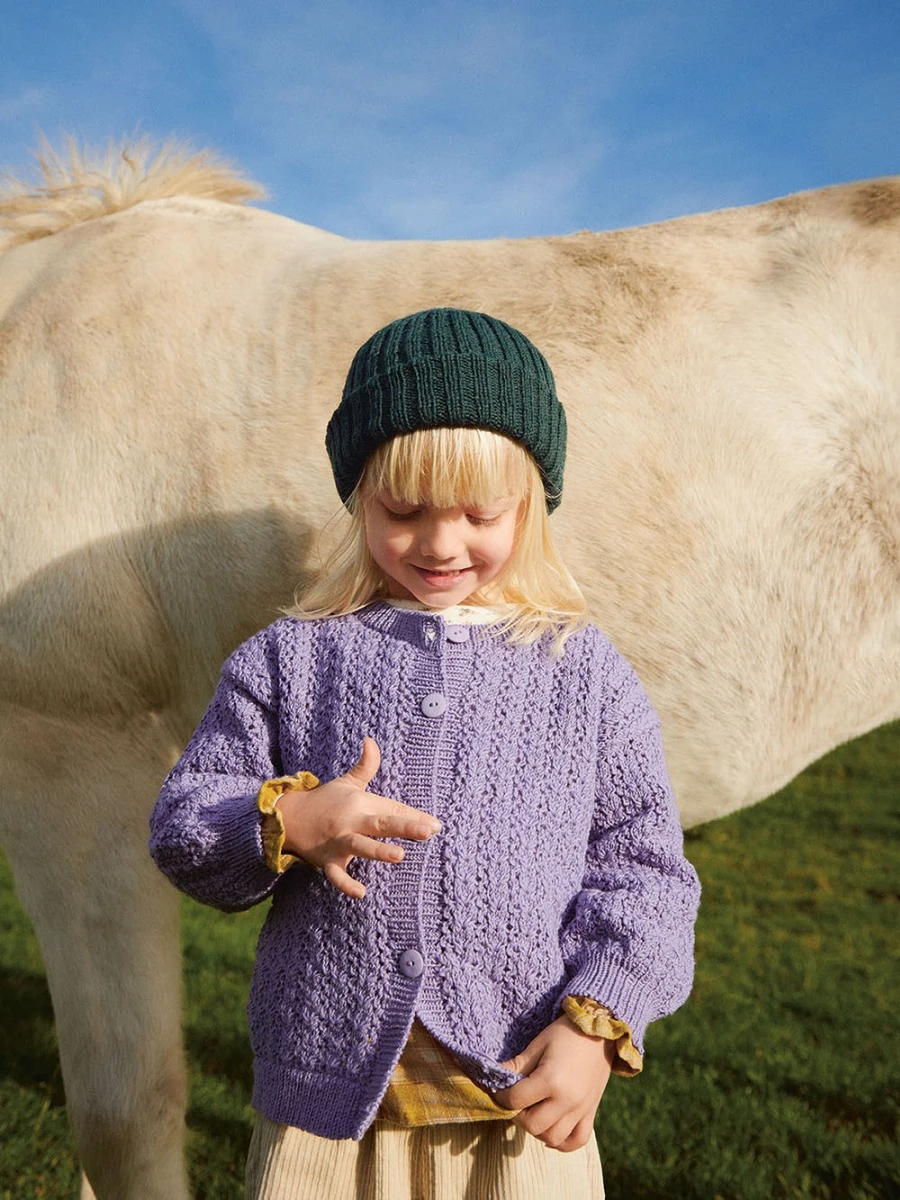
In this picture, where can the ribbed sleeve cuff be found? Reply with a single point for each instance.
(234, 825)
(606, 981)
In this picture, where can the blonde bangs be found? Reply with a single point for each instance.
(450, 466)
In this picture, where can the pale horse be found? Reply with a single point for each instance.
(168, 361)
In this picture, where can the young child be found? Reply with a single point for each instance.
(454, 960)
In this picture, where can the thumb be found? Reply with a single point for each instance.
(526, 1061)
(522, 1064)
(364, 770)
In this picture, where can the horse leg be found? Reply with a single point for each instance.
(74, 825)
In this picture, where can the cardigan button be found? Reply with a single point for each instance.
(434, 705)
(411, 964)
(457, 633)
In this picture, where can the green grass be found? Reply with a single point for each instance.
(779, 1078)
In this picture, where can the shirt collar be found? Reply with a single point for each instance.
(457, 614)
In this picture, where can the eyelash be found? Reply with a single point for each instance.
(395, 516)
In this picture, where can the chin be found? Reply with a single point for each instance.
(438, 602)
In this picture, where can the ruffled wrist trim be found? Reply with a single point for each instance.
(272, 820)
(595, 1019)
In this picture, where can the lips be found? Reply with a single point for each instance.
(441, 579)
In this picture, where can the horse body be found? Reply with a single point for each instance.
(731, 507)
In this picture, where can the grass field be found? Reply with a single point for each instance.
(779, 1078)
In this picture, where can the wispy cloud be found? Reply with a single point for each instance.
(472, 121)
(27, 102)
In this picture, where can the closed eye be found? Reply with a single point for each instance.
(473, 520)
(393, 515)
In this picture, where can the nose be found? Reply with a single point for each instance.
(439, 539)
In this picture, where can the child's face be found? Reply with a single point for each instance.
(439, 556)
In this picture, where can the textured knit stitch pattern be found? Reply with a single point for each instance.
(446, 367)
(558, 870)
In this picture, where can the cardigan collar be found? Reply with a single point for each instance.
(426, 629)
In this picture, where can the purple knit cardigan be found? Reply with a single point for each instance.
(558, 870)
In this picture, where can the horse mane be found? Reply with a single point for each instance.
(81, 184)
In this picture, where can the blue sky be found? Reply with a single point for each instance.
(410, 118)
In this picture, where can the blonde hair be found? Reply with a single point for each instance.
(453, 466)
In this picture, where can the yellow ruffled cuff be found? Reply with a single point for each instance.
(272, 820)
(597, 1020)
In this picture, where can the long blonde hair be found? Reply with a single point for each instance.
(446, 467)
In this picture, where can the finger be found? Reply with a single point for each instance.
(393, 818)
(357, 845)
(502, 1098)
(363, 771)
(525, 1063)
(580, 1136)
(338, 877)
(539, 1119)
(527, 1092)
(558, 1134)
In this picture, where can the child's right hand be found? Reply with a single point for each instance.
(340, 820)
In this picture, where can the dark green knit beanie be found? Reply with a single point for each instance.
(447, 366)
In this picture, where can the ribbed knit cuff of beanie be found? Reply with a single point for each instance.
(448, 367)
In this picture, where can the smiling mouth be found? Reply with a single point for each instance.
(442, 576)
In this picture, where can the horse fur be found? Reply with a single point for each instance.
(168, 362)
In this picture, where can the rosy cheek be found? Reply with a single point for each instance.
(396, 544)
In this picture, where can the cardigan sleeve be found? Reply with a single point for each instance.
(205, 827)
(629, 940)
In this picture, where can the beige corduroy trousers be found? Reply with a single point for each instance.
(478, 1160)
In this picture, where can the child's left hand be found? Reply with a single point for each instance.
(566, 1075)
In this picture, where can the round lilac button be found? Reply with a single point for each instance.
(434, 705)
(411, 964)
(457, 633)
